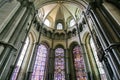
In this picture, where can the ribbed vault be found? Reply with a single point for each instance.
(60, 10)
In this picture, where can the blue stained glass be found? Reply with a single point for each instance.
(59, 73)
(40, 63)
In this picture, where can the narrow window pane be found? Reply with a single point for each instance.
(72, 23)
(19, 63)
(99, 65)
(40, 63)
(47, 22)
(59, 26)
(79, 64)
(59, 73)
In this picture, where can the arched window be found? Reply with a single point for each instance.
(99, 65)
(72, 23)
(59, 73)
(47, 22)
(59, 26)
(40, 63)
(79, 64)
(20, 60)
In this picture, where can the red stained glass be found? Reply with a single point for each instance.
(79, 64)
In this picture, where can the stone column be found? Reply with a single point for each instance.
(32, 62)
(108, 38)
(7, 17)
(82, 51)
(6, 56)
(92, 34)
(67, 67)
(51, 65)
(72, 75)
(12, 34)
(25, 32)
(7, 11)
(51, 60)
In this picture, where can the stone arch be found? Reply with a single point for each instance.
(44, 31)
(59, 45)
(49, 33)
(72, 44)
(32, 37)
(62, 36)
(74, 32)
(56, 35)
(86, 35)
(69, 34)
(46, 43)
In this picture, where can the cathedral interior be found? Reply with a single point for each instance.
(59, 39)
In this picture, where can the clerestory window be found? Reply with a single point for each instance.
(59, 26)
(79, 64)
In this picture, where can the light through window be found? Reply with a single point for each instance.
(72, 23)
(20, 60)
(100, 67)
(79, 64)
(59, 73)
(59, 26)
(40, 63)
(47, 22)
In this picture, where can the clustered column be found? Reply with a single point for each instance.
(12, 38)
(50, 75)
(67, 67)
(32, 62)
(108, 36)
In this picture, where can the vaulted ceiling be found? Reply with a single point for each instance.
(64, 10)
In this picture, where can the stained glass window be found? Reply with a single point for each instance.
(59, 73)
(79, 64)
(20, 60)
(59, 26)
(40, 63)
(100, 67)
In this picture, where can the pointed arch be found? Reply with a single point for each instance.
(77, 62)
(73, 44)
(41, 60)
(59, 63)
(45, 43)
(59, 45)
